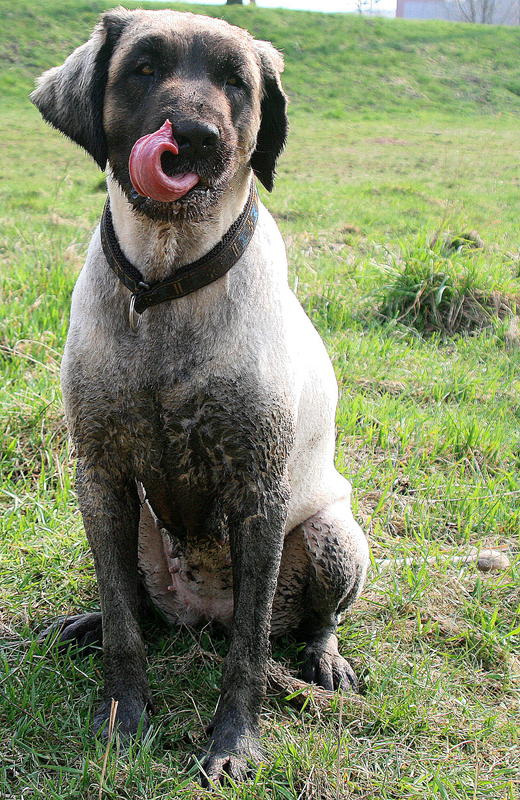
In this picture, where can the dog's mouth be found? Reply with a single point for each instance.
(155, 171)
(164, 183)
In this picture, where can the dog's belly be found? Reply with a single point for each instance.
(200, 592)
(201, 598)
(188, 583)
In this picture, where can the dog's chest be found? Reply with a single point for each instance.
(201, 455)
(197, 448)
(190, 469)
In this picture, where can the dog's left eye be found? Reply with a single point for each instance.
(145, 69)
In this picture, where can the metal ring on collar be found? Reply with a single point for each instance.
(134, 318)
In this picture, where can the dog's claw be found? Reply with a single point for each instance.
(235, 763)
(218, 767)
(329, 670)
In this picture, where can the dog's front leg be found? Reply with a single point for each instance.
(256, 548)
(110, 507)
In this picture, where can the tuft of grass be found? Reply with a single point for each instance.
(428, 288)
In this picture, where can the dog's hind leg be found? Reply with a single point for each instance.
(338, 559)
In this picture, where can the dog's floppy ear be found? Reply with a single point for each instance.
(71, 97)
(273, 126)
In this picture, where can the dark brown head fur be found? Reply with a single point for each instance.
(140, 68)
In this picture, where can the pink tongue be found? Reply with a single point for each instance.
(146, 173)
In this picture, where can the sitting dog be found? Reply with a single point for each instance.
(199, 397)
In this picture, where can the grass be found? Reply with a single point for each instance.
(416, 67)
(431, 288)
(404, 137)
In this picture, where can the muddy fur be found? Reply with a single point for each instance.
(204, 439)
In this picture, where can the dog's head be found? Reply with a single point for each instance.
(218, 87)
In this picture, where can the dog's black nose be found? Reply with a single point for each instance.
(196, 138)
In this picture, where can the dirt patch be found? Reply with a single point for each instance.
(389, 140)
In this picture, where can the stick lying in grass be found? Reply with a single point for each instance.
(487, 560)
(282, 681)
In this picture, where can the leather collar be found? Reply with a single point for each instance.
(189, 277)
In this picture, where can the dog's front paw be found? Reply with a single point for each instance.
(230, 756)
(131, 718)
(324, 666)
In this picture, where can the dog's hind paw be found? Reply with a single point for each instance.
(324, 666)
(81, 630)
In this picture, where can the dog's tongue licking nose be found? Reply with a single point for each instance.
(146, 173)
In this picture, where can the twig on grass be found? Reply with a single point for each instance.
(306, 785)
(111, 723)
(12, 351)
(431, 500)
(472, 497)
(34, 719)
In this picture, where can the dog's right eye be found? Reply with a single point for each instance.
(235, 81)
(145, 69)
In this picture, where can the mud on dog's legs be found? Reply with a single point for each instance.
(110, 507)
(338, 555)
(256, 547)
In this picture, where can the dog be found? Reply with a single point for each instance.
(199, 397)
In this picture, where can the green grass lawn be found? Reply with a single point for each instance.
(403, 136)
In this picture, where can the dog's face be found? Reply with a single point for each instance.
(219, 88)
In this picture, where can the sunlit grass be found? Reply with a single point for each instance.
(427, 424)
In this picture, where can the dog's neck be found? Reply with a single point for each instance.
(158, 248)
